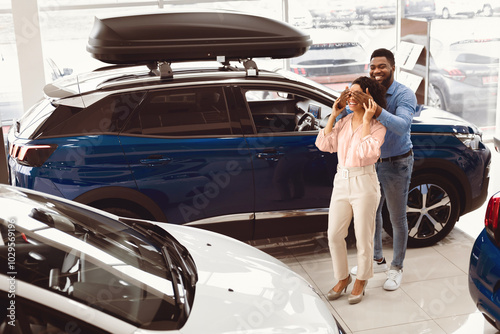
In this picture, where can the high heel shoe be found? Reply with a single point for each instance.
(332, 294)
(354, 299)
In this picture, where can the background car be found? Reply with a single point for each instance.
(226, 149)
(463, 70)
(327, 13)
(333, 64)
(490, 7)
(420, 8)
(370, 12)
(449, 8)
(71, 264)
(484, 268)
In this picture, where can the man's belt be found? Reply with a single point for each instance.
(397, 157)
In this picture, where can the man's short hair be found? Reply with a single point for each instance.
(384, 53)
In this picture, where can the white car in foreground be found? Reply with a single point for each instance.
(71, 268)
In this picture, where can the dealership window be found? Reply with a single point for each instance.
(65, 25)
(10, 85)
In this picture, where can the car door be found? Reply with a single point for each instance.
(186, 151)
(293, 179)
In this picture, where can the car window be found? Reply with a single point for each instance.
(26, 316)
(191, 112)
(34, 117)
(275, 111)
(107, 115)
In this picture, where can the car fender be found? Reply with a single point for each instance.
(120, 194)
(451, 172)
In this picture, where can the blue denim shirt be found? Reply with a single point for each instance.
(397, 118)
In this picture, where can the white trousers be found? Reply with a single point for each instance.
(356, 194)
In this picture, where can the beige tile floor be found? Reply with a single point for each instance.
(433, 298)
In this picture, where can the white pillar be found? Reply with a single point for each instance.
(29, 50)
(497, 111)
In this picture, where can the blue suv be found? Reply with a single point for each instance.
(224, 147)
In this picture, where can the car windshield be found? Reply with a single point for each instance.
(131, 270)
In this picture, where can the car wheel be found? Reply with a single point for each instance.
(487, 10)
(367, 19)
(432, 210)
(439, 101)
(445, 13)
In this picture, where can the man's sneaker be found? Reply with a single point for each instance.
(394, 278)
(378, 267)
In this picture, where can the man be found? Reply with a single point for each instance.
(395, 165)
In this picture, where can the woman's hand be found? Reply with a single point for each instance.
(370, 110)
(341, 102)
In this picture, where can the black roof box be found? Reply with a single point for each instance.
(193, 36)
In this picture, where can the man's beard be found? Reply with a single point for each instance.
(387, 81)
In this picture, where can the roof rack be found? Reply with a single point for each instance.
(159, 39)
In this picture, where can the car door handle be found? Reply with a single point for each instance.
(270, 156)
(155, 160)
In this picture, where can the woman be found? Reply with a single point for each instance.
(357, 139)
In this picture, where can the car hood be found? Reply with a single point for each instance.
(242, 289)
(433, 120)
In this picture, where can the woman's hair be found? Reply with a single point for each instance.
(377, 91)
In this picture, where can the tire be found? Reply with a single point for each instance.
(487, 10)
(432, 210)
(440, 101)
(367, 19)
(445, 13)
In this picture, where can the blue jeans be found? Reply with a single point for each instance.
(394, 178)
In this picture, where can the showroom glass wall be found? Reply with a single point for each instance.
(463, 68)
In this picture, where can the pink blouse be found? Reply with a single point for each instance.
(352, 150)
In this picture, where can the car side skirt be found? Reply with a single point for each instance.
(260, 225)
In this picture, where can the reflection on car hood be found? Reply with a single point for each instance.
(242, 288)
(436, 120)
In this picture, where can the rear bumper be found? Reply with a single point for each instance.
(461, 97)
(484, 276)
(481, 193)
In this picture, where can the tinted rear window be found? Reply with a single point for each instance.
(31, 120)
(105, 116)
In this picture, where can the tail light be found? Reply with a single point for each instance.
(31, 155)
(491, 220)
(300, 71)
(454, 73)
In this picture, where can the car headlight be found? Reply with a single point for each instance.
(471, 140)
